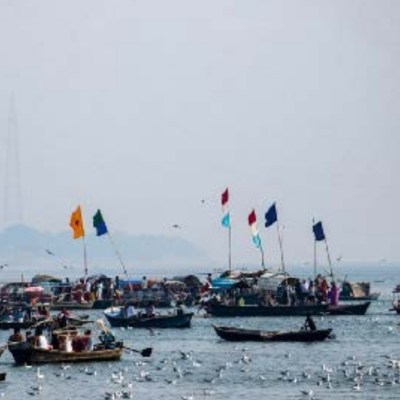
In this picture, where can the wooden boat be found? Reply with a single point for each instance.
(115, 319)
(220, 310)
(71, 305)
(25, 353)
(6, 325)
(240, 335)
(357, 291)
(349, 309)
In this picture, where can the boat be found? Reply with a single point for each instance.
(25, 353)
(3, 376)
(221, 310)
(349, 309)
(71, 305)
(357, 291)
(7, 325)
(396, 299)
(239, 335)
(116, 319)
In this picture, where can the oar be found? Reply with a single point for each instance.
(144, 353)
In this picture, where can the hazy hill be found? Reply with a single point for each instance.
(24, 246)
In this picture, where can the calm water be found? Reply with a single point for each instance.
(220, 370)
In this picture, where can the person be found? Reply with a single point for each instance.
(63, 317)
(241, 302)
(309, 324)
(130, 311)
(107, 338)
(144, 284)
(16, 336)
(150, 310)
(40, 341)
(179, 308)
(334, 294)
(89, 343)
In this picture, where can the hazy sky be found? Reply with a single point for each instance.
(144, 108)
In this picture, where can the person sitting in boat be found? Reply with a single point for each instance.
(63, 316)
(309, 324)
(40, 341)
(150, 312)
(179, 308)
(89, 341)
(130, 311)
(16, 336)
(107, 338)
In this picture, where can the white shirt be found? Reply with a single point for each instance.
(42, 342)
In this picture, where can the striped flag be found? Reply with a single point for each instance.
(226, 221)
(254, 229)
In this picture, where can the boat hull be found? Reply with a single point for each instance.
(25, 353)
(159, 321)
(220, 310)
(244, 335)
(349, 309)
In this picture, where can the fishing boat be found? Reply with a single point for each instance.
(396, 299)
(221, 310)
(25, 353)
(357, 291)
(349, 309)
(71, 305)
(240, 335)
(161, 321)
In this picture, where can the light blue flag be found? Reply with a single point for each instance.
(257, 240)
(226, 221)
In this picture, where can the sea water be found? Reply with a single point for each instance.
(195, 363)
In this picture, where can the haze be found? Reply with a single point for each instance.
(145, 108)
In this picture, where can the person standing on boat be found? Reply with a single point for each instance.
(334, 294)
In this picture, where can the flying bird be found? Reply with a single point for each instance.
(176, 226)
(49, 252)
(3, 265)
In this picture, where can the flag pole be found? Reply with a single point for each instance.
(315, 252)
(262, 256)
(328, 256)
(230, 248)
(280, 246)
(85, 257)
(117, 254)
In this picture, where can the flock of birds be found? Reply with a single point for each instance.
(208, 378)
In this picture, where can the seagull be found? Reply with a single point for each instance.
(308, 393)
(3, 265)
(338, 259)
(176, 226)
(39, 375)
(49, 252)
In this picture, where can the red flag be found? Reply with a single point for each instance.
(252, 218)
(225, 197)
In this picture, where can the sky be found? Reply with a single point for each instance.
(146, 108)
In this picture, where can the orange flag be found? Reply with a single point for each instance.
(76, 223)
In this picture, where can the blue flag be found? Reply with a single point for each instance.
(318, 231)
(99, 224)
(226, 221)
(271, 216)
